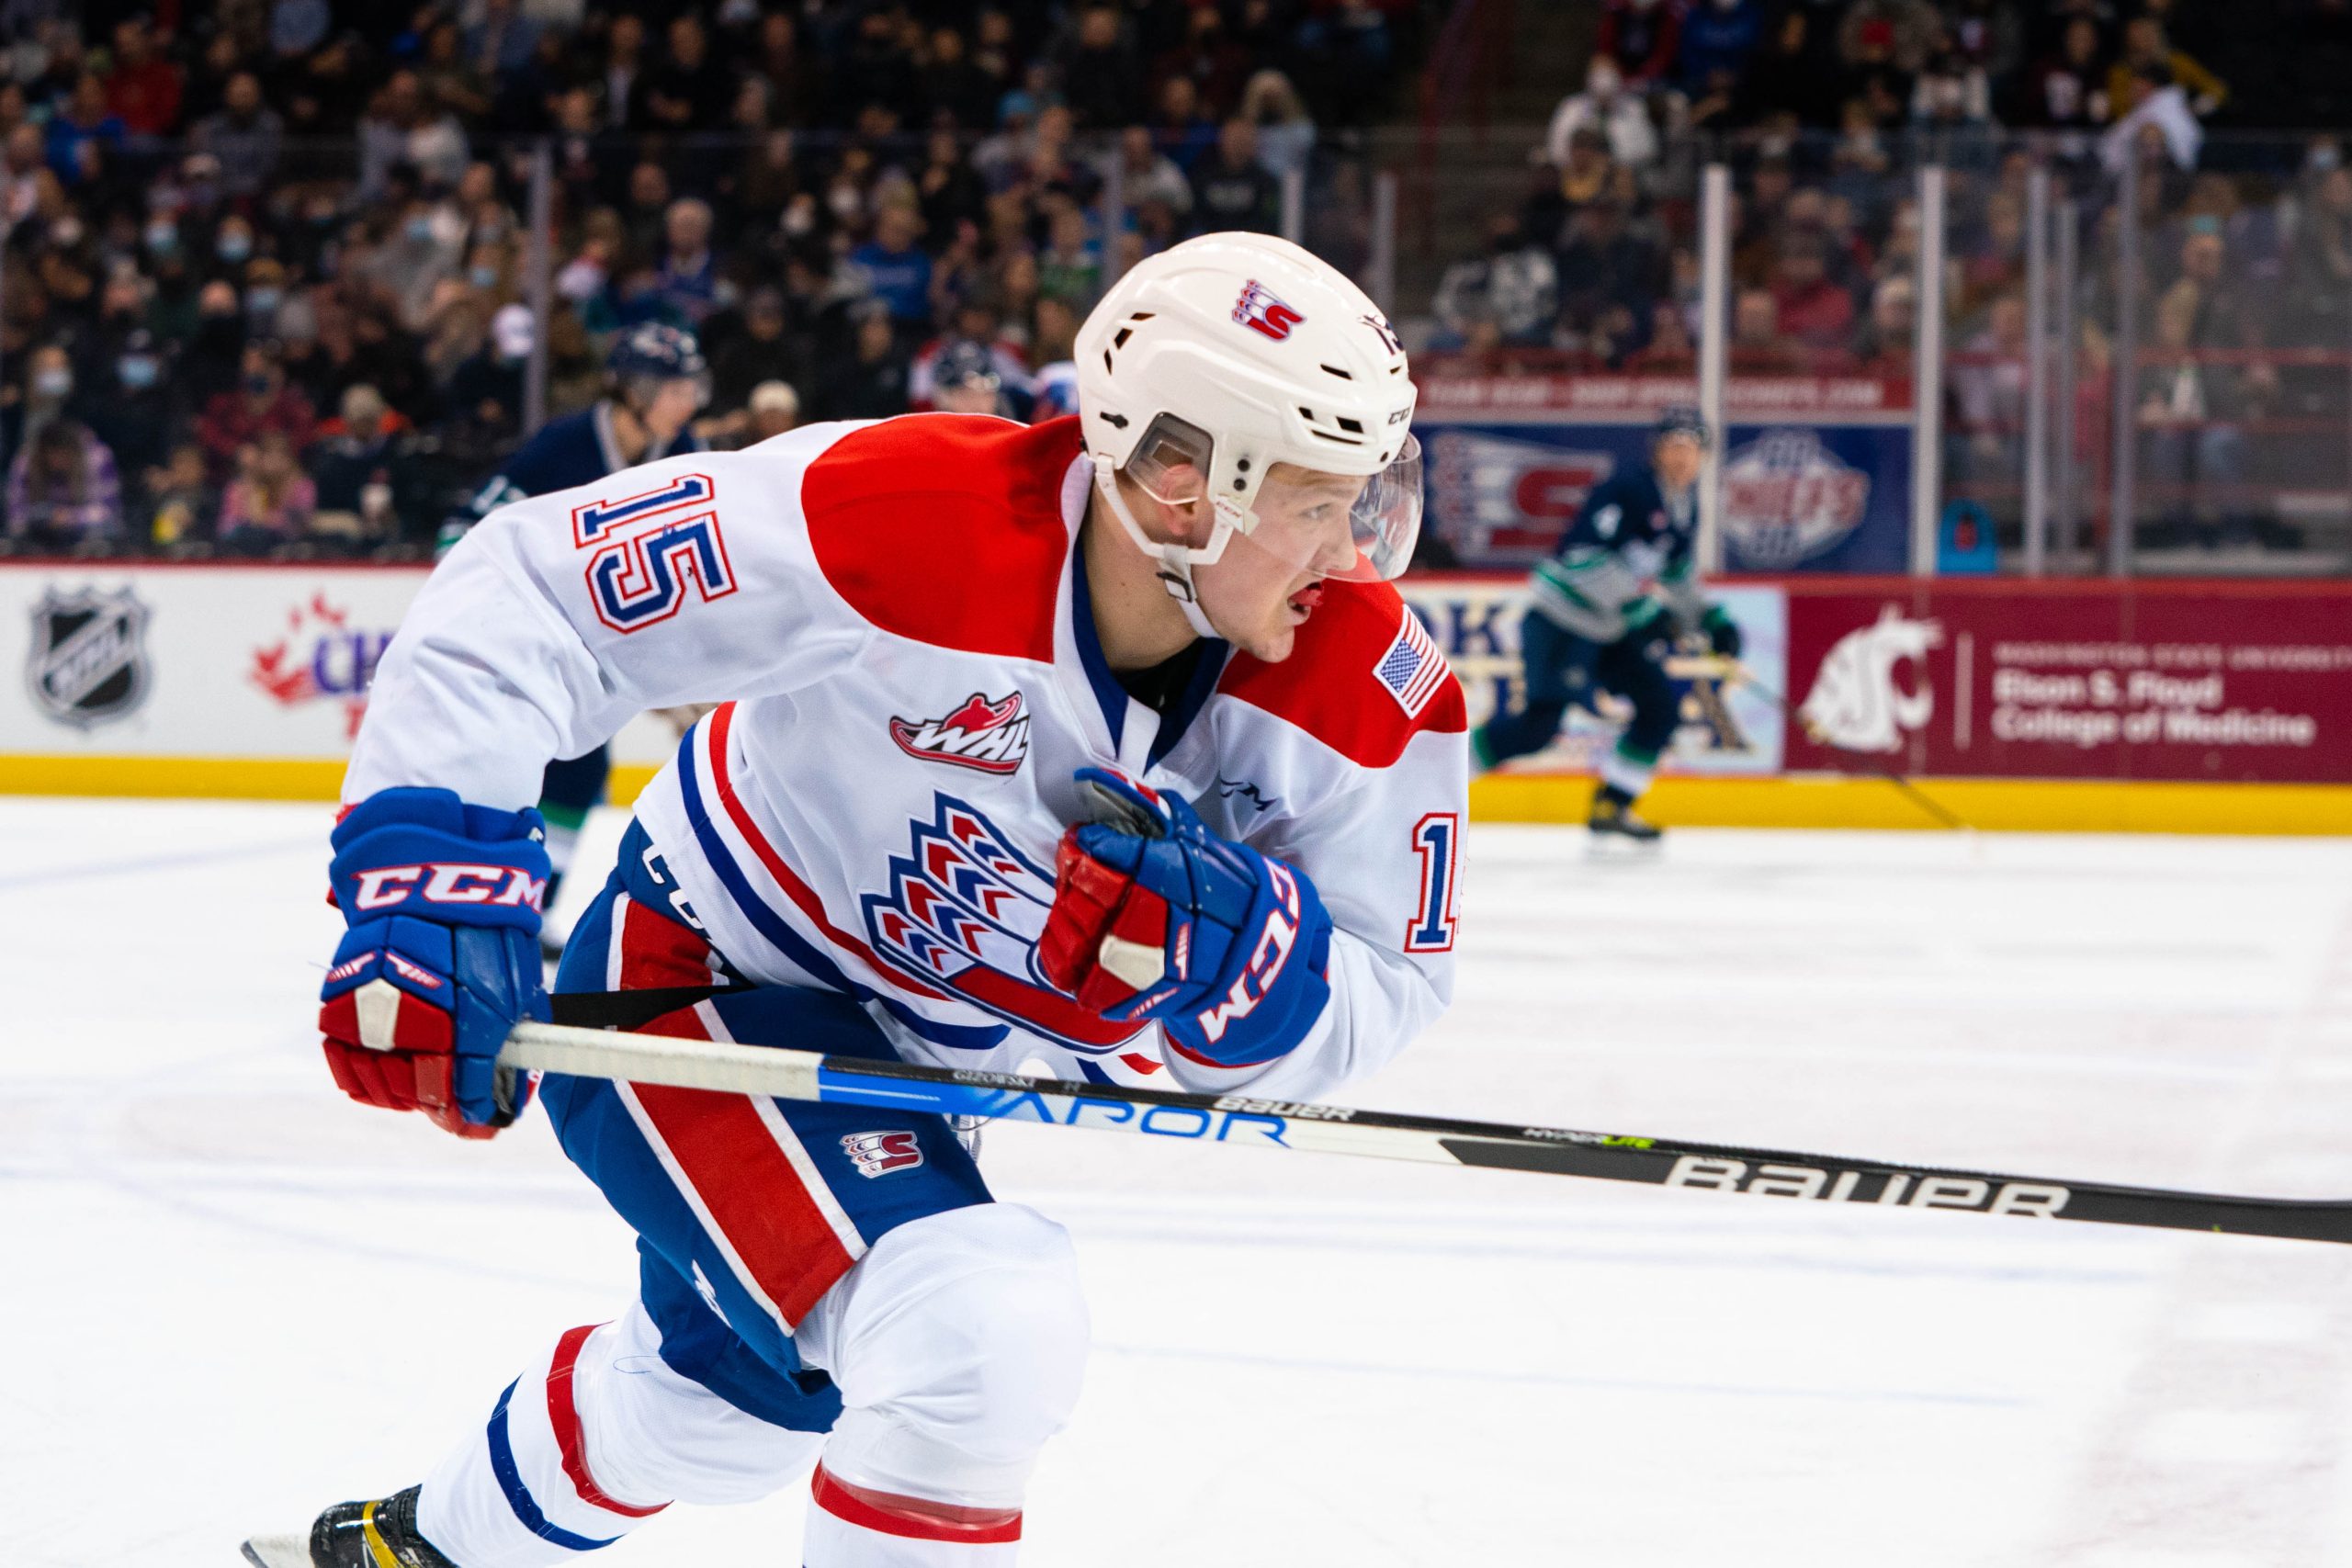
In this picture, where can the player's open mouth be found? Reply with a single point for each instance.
(1304, 601)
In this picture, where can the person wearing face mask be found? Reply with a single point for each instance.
(135, 410)
(1604, 106)
(49, 386)
(264, 293)
(214, 351)
(423, 246)
(62, 492)
(261, 404)
(655, 381)
(486, 390)
(232, 243)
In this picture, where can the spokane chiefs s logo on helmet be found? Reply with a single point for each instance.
(964, 912)
(1259, 312)
(989, 737)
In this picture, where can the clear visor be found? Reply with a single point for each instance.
(1358, 530)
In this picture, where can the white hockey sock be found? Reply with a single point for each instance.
(1625, 773)
(590, 1441)
(854, 1526)
(517, 1492)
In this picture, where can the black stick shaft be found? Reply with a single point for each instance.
(1283, 1124)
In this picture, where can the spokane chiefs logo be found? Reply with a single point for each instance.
(1788, 498)
(880, 1154)
(1259, 312)
(989, 737)
(964, 912)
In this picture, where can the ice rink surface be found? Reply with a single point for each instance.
(232, 1297)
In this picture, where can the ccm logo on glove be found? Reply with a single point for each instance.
(441, 957)
(388, 886)
(1266, 960)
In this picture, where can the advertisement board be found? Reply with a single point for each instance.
(1728, 726)
(194, 662)
(1816, 469)
(260, 662)
(2185, 682)
(251, 681)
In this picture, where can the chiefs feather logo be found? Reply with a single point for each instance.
(989, 737)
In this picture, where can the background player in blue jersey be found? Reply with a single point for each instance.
(655, 379)
(966, 379)
(1607, 608)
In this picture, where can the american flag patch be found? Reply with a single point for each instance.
(1412, 669)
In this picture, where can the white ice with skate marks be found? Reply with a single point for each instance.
(232, 1297)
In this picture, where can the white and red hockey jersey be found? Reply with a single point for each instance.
(896, 616)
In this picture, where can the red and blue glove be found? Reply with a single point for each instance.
(441, 959)
(1155, 917)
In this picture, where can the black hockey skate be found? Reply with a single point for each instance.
(379, 1534)
(1612, 820)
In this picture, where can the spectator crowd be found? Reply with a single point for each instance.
(1826, 108)
(267, 284)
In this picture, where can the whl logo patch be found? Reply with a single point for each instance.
(880, 1154)
(986, 737)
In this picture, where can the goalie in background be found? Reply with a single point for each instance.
(1609, 606)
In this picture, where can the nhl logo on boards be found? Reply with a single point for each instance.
(89, 656)
(1260, 311)
(880, 1154)
(989, 737)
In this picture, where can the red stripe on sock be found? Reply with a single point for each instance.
(914, 1519)
(565, 1417)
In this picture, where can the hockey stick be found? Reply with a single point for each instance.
(1333, 1128)
(1689, 667)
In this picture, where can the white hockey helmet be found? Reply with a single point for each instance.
(1234, 352)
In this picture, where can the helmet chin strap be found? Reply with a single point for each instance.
(1175, 561)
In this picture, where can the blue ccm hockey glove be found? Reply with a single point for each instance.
(441, 959)
(1155, 917)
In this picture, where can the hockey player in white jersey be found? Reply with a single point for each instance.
(1101, 743)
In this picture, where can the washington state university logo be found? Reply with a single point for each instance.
(89, 656)
(1787, 498)
(880, 1154)
(963, 913)
(986, 737)
(1855, 703)
(1260, 311)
